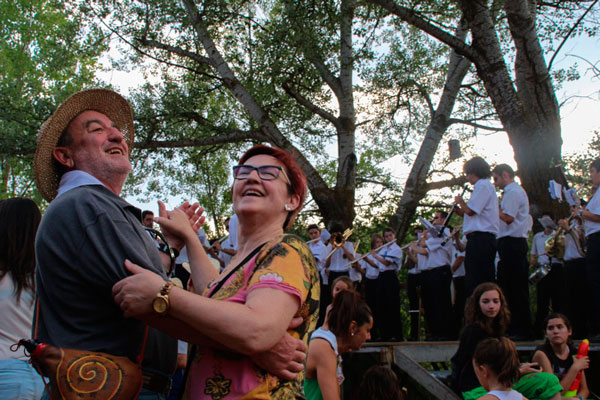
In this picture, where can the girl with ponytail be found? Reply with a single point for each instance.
(496, 364)
(346, 328)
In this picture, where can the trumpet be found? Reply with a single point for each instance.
(338, 240)
(555, 245)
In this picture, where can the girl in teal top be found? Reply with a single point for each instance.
(347, 327)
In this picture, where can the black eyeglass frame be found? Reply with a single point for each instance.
(258, 171)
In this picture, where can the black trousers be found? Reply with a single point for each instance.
(460, 299)
(512, 276)
(550, 289)
(324, 300)
(413, 282)
(578, 298)
(435, 290)
(371, 299)
(479, 260)
(388, 306)
(593, 279)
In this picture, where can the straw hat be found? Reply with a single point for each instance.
(105, 101)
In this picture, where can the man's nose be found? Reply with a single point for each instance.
(115, 134)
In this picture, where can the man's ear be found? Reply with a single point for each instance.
(64, 156)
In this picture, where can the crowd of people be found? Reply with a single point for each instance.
(107, 281)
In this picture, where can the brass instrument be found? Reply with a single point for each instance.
(338, 240)
(555, 244)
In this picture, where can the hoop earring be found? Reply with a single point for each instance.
(287, 207)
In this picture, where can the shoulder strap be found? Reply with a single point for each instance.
(192, 352)
(243, 262)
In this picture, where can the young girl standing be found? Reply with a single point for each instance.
(346, 328)
(496, 365)
(557, 355)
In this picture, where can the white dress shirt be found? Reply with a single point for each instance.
(339, 263)
(593, 207)
(484, 203)
(393, 254)
(438, 252)
(515, 204)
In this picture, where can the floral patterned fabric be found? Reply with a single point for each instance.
(285, 264)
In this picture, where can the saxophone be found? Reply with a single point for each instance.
(555, 244)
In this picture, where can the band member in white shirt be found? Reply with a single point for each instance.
(436, 279)
(578, 300)
(458, 280)
(480, 224)
(338, 255)
(414, 262)
(388, 288)
(317, 248)
(591, 223)
(372, 268)
(551, 289)
(514, 226)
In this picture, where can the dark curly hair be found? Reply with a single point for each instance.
(473, 315)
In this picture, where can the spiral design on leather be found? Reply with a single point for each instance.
(91, 374)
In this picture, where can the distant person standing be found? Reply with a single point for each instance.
(591, 223)
(515, 224)
(20, 219)
(317, 248)
(552, 287)
(480, 224)
(148, 219)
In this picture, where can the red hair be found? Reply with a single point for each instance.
(297, 185)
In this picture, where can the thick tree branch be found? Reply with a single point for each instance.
(459, 181)
(176, 50)
(474, 124)
(328, 77)
(575, 25)
(198, 142)
(311, 107)
(410, 16)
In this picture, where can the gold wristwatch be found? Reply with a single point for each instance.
(161, 303)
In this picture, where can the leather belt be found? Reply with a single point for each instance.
(155, 382)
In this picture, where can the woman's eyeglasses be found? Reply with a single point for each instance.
(265, 172)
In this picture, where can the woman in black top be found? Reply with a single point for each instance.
(487, 315)
(557, 354)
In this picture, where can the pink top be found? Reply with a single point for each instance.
(284, 264)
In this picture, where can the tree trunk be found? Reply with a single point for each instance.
(415, 187)
(529, 113)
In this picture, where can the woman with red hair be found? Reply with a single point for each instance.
(248, 307)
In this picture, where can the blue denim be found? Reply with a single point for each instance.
(146, 394)
(19, 381)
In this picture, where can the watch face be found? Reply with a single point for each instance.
(160, 304)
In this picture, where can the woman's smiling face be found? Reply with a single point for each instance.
(256, 195)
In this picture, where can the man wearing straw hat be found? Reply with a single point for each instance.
(80, 166)
(87, 233)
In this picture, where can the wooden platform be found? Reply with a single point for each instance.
(409, 357)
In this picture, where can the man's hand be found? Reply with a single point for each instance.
(286, 359)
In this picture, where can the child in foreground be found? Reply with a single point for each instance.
(557, 355)
(496, 365)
